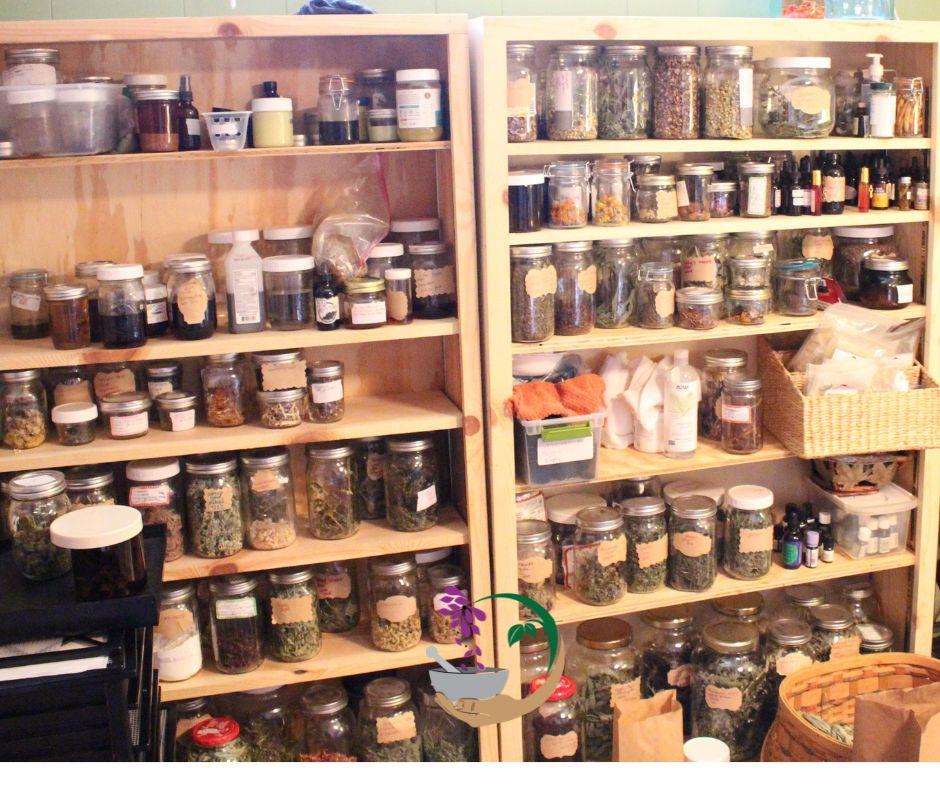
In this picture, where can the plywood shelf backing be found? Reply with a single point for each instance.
(910, 47)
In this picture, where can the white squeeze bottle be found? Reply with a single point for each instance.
(243, 284)
(680, 408)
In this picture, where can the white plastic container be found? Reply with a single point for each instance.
(558, 450)
(244, 286)
(227, 130)
(273, 122)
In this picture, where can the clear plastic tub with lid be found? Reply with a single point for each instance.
(37, 499)
(540, 457)
(154, 488)
(287, 239)
(796, 97)
(418, 101)
(288, 291)
(28, 118)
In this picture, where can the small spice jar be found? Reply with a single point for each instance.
(126, 414)
(610, 193)
(415, 231)
(329, 726)
(655, 295)
(639, 166)
(272, 122)
(235, 624)
(722, 199)
(213, 506)
(676, 93)
(576, 285)
(644, 522)
(22, 409)
(411, 479)
(434, 280)
(162, 377)
(728, 93)
(656, 199)
(532, 286)
(571, 93)
(393, 590)
(749, 530)
(692, 193)
(382, 257)
(756, 189)
(122, 306)
(370, 473)
(693, 543)
(157, 120)
(288, 291)
(418, 101)
(796, 284)
(364, 304)
(749, 307)
(192, 298)
(176, 411)
(338, 110)
(216, 740)
(293, 632)
(625, 93)
(526, 201)
(399, 295)
(699, 308)
(535, 562)
(742, 411)
(37, 498)
(287, 240)
(383, 125)
(522, 89)
(617, 264)
(443, 579)
(89, 485)
(75, 422)
(281, 409)
(154, 489)
(107, 550)
(327, 399)
(666, 656)
(331, 490)
(224, 390)
(885, 284)
(68, 316)
(835, 635)
(557, 724)
(267, 489)
(29, 310)
(600, 556)
(568, 193)
(749, 273)
(177, 650)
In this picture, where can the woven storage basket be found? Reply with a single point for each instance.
(829, 689)
(824, 426)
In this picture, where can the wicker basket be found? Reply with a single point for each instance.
(829, 689)
(824, 426)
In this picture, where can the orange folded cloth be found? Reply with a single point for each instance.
(583, 394)
(540, 400)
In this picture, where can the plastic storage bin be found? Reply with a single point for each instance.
(558, 450)
(227, 130)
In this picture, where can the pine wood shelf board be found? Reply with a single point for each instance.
(568, 609)
(390, 414)
(346, 654)
(373, 538)
(39, 353)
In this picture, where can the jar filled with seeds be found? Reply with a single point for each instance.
(755, 189)
(443, 579)
(294, 627)
(692, 186)
(722, 199)
(387, 730)
(666, 656)
(796, 287)
(268, 497)
(568, 193)
(835, 635)
(742, 413)
(536, 564)
(36, 499)
(617, 263)
(610, 193)
(235, 623)
(600, 556)
(434, 280)
(556, 724)
(331, 490)
(655, 296)
(213, 506)
(699, 308)
(759, 244)
(728, 101)
(89, 485)
(656, 199)
(704, 261)
(693, 543)
(522, 86)
(370, 477)
(644, 521)
(532, 286)
(411, 480)
(571, 93)
(749, 532)
(749, 307)
(329, 724)
(29, 310)
(393, 590)
(154, 488)
(176, 411)
(676, 93)
(625, 93)
(788, 650)
(327, 400)
(337, 596)
(75, 422)
(225, 391)
(22, 409)
(281, 409)
(576, 286)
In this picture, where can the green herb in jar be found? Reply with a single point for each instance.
(401, 751)
(411, 484)
(294, 629)
(337, 596)
(396, 635)
(370, 478)
(648, 548)
(598, 584)
(748, 552)
(268, 740)
(331, 486)
(213, 508)
(693, 543)
(33, 552)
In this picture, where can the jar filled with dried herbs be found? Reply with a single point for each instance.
(522, 86)
(38, 498)
(189, 713)
(562, 512)
(442, 578)
(235, 623)
(745, 608)
(600, 556)
(788, 650)
(327, 398)
(425, 561)
(728, 100)
(719, 365)
(370, 478)
(213, 505)
(337, 596)
(329, 724)
(126, 414)
(742, 413)
(556, 725)
(610, 192)
(693, 543)
(571, 93)
(835, 635)
(576, 286)
(676, 93)
(393, 589)
(532, 286)
(750, 532)
(22, 409)
(154, 489)
(293, 625)
(749, 307)
(216, 740)
(89, 485)
(699, 308)
(666, 656)
(625, 93)
(568, 193)
(704, 261)
(411, 480)
(655, 296)
(387, 731)
(267, 489)
(265, 721)
(536, 564)
(656, 199)
(692, 185)
(800, 601)
(331, 490)
(729, 688)
(444, 739)
(604, 667)
(75, 422)
(225, 390)
(617, 262)
(644, 521)
(281, 409)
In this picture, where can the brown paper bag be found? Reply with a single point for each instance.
(648, 730)
(898, 725)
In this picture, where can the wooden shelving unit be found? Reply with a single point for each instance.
(422, 377)
(905, 581)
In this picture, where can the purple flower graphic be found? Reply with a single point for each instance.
(463, 618)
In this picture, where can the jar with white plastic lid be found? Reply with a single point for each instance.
(272, 122)
(418, 101)
(288, 291)
(154, 488)
(415, 231)
(122, 310)
(284, 240)
(31, 66)
(399, 295)
(748, 550)
(882, 108)
(384, 256)
(797, 97)
(126, 414)
(75, 422)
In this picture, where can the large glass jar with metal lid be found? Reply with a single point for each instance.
(265, 721)
(22, 409)
(370, 470)
(177, 651)
(267, 490)
(337, 596)
(854, 245)
(692, 185)
(154, 488)
(728, 93)
(676, 93)
(571, 93)
(644, 522)
(729, 688)
(800, 601)
(796, 285)
(293, 632)
(338, 110)
(329, 725)
(522, 86)
(625, 93)
(411, 480)
(122, 306)
(235, 623)
(225, 390)
(610, 193)
(216, 740)
(759, 244)
(331, 490)
(788, 650)
(576, 285)
(536, 564)
(30, 66)
(742, 413)
(656, 199)
(568, 193)
(617, 264)
(68, 316)
(719, 365)
(747, 608)
(157, 119)
(693, 543)
(387, 730)
(441, 579)
(750, 532)
(858, 597)
(37, 498)
(532, 286)
(796, 97)
(600, 556)
(655, 296)
(435, 285)
(605, 668)
(213, 505)
(835, 635)
(29, 310)
(885, 283)
(666, 656)
(192, 298)
(89, 485)
(444, 739)
(755, 189)
(704, 261)
(393, 590)
(562, 512)
(534, 656)
(364, 303)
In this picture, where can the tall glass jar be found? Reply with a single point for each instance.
(90, 485)
(337, 596)
(411, 482)
(610, 193)
(657, 201)
(617, 263)
(86, 273)
(705, 261)
(742, 413)
(692, 187)
(605, 668)
(676, 93)
(393, 591)
(755, 189)
(666, 656)
(749, 532)
(571, 93)
(854, 245)
(535, 561)
(441, 578)
(655, 296)
(568, 193)
(235, 624)
(532, 286)
(600, 556)
(370, 474)
(719, 365)
(388, 723)
(788, 650)
(858, 596)
(376, 88)
(293, 624)
(154, 488)
(835, 635)
(29, 310)
(225, 391)
(331, 490)
(122, 306)
(522, 84)
(177, 651)
(625, 93)
(728, 101)
(263, 715)
(444, 739)
(22, 409)
(435, 280)
(576, 286)
(693, 543)
(192, 299)
(328, 723)
(556, 725)
(644, 521)
(36, 499)
(213, 506)
(267, 489)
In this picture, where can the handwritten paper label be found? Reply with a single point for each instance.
(434, 282)
(629, 691)
(756, 540)
(735, 414)
(149, 496)
(265, 480)
(556, 747)
(792, 662)
(64, 393)
(193, 301)
(396, 608)
(28, 302)
(665, 302)
(114, 383)
(217, 499)
(692, 544)
(158, 387)
(651, 553)
(726, 698)
(338, 586)
(174, 622)
(236, 608)
(680, 676)
(181, 420)
(327, 391)
(283, 375)
(295, 610)
(541, 282)
(809, 99)
(587, 280)
(612, 551)
(123, 426)
(426, 498)
(845, 648)
(535, 569)
(367, 313)
(397, 727)
(700, 269)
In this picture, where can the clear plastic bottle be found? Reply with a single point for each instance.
(244, 284)
(680, 408)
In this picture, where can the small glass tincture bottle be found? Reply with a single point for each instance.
(827, 552)
(921, 187)
(833, 185)
(190, 135)
(326, 301)
(792, 543)
(864, 191)
(905, 193)
(811, 553)
(880, 195)
(817, 201)
(244, 285)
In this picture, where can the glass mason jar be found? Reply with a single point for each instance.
(796, 287)
(747, 608)
(86, 273)
(68, 384)
(337, 596)
(848, 89)
(31, 66)
(676, 93)
(604, 667)
(568, 193)
(556, 724)
(263, 716)
(749, 273)
(749, 307)
(644, 522)
(534, 655)
(617, 264)
(722, 199)
(370, 474)
(435, 280)
(399, 295)
(376, 89)
(68, 316)
(89, 485)
(656, 199)
(755, 189)
(176, 411)
(625, 94)
(267, 490)
(156, 304)
(154, 488)
(692, 187)
(526, 200)
(642, 165)
(282, 409)
(441, 578)
(758, 244)
(522, 86)
(224, 390)
(693, 543)
(835, 635)
(235, 623)
(444, 738)
(800, 601)
(600, 556)
(157, 120)
(729, 688)
(797, 97)
(293, 632)
(576, 286)
(535, 562)
(911, 108)
(288, 291)
(885, 283)
(331, 490)
(329, 726)
(213, 505)
(858, 597)
(728, 93)
(162, 377)
(425, 561)
(192, 298)
(788, 650)
(126, 414)
(854, 245)
(278, 369)
(75, 423)
(327, 400)
(393, 592)
(532, 286)
(364, 304)
(655, 296)
(562, 512)
(338, 110)
(610, 193)
(122, 306)
(387, 729)
(216, 740)
(411, 480)
(742, 412)
(748, 531)
(571, 93)
(177, 649)
(22, 409)
(704, 261)
(816, 243)
(36, 499)
(666, 656)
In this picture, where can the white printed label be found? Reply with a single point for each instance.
(181, 420)
(746, 93)
(800, 198)
(236, 608)
(562, 91)
(30, 74)
(736, 414)
(427, 498)
(246, 289)
(530, 506)
(129, 425)
(327, 310)
(157, 313)
(439, 605)
(418, 108)
(329, 391)
(681, 417)
(757, 195)
(367, 314)
(905, 294)
(25, 301)
(192, 127)
(158, 387)
(555, 452)
(149, 496)
(682, 194)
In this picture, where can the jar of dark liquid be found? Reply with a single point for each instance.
(158, 120)
(87, 274)
(192, 298)
(339, 110)
(68, 314)
(288, 291)
(29, 310)
(122, 306)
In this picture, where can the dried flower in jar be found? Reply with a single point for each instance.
(281, 409)
(268, 490)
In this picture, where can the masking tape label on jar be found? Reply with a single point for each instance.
(520, 97)
(725, 698)
(819, 247)
(665, 302)
(557, 747)
(440, 605)
(283, 375)
(756, 540)
(736, 414)
(181, 420)
(158, 387)
(28, 302)
(114, 383)
(236, 608)
(29, 74)
(426, 498)
(338, 586)
(149, 496)
(556, 452)
(418, 108)
(692, 543)
(375, 466)
(587, 279)
(217, 499)
(434, 282)
(397, 302)
(64, 393)
(541, 282)
(367, 313)
(905, 294)
(667, 205)
(808, 99)
(396, 608)
(265, 480)
(535, 569)
(133, 424)
(680, 676)
(192, 301)
(651, 553)
(746, 95)
(295, 610)
(612, 551)
(174, 621)
(397, 727)
(682, 194)
(628, 691)
(792, 662)
(843, 649)
(327, 391)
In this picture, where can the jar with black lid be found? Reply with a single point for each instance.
(68, 316)
(89, 485)
(435, 280)
(122, 306)
(192, 298)
(885, 283)
(235, 624)
(526, 201)
(29, 310)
